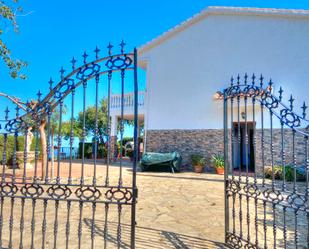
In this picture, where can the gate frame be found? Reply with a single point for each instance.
(44, 107)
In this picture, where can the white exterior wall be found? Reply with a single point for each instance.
(185, 71)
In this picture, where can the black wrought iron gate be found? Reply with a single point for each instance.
(266, 167)
(80, 200)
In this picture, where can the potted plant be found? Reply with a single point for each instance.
(198, 162)
(218, 163)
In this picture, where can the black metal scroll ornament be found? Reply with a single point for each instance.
(289, 118)
(88, 193)
(66, 85)
(59, 192)
(234, 241)
(14, 125)
(88, 71)
(32, 190)
(118, 194)
(8, 189)
(118, 62)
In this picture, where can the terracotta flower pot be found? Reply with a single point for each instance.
(198, 169)
(220, 171)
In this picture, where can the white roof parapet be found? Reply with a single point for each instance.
(217, 10)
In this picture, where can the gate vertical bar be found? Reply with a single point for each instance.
(121, 127)
(133, 211)
(1, 219)
(226, 168)
(232, 161)
(71, 134)
(108, 127)
(21, 224)
(307, 183)
(83, 132)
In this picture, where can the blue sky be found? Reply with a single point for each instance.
(51, 32)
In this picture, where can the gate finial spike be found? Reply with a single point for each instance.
(7, 113)
(238, 79)
(246, 77)
(110, 46)
(39, 94)
(61, 72)
(253, 79)
(97, 51)
(17, 111)
(291, 100)
(270, 85)
(73, 61)
(304, 107)
(261, 80)
(85, 55)
(122, 45)
(50, 82)
(232, 81)
(280, 93)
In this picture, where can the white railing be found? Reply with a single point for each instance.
(128, 100)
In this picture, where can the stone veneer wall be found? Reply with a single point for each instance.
(300, 148)
(186, 142)
(210, 141)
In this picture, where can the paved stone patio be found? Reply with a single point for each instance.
(188, 204)
(184, 210)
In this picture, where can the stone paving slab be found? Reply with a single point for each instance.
(188, 204)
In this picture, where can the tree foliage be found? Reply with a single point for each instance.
(8, 13)
(90, 122)
(90, 119)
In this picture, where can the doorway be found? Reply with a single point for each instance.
(243, 155)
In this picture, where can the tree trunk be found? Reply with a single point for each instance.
(44, 146)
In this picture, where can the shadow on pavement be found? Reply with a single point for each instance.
(149, 237)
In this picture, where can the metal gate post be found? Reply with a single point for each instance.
(133, 209)
(226, 171)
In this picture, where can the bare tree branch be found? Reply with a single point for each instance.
(15, 100)
(26, 14)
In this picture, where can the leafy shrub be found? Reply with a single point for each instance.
(102, 151)
(125, 140)
(9, 147)
(89, 150)
(279, 173)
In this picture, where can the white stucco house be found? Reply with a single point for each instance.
(188, 64)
